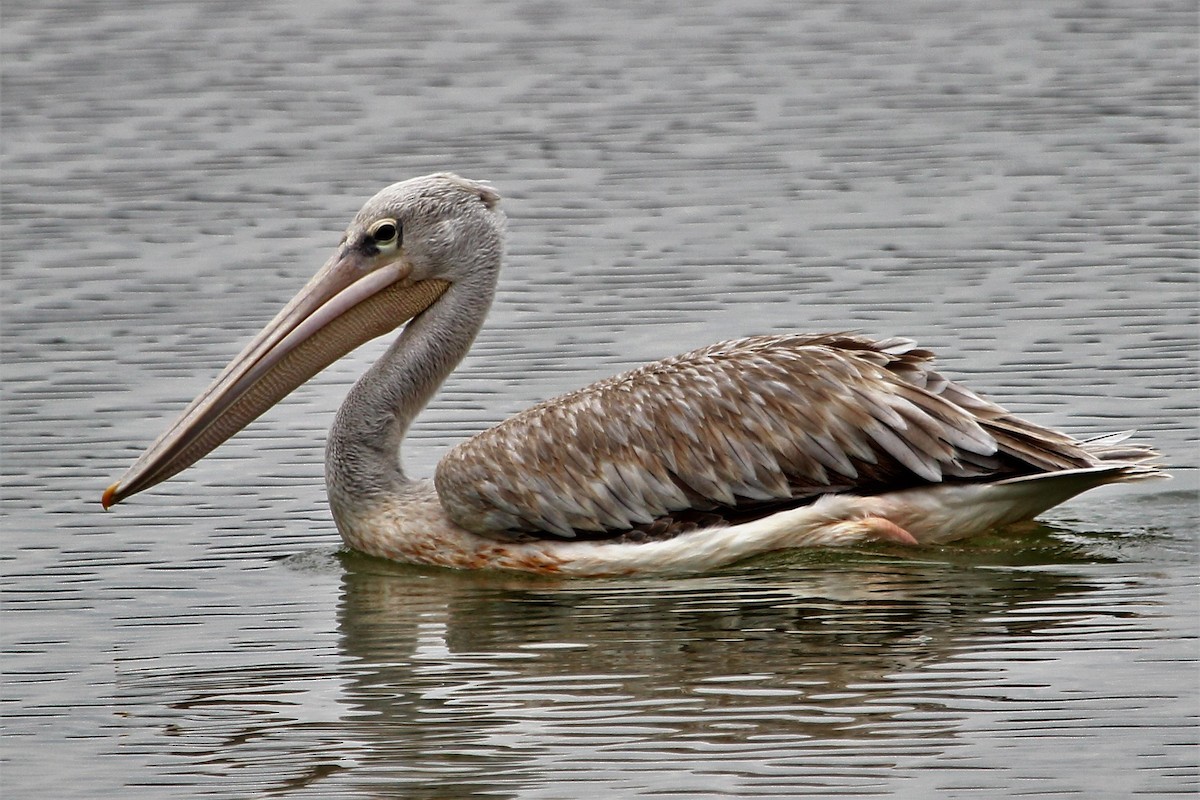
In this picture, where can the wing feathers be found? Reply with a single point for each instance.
(758, 421)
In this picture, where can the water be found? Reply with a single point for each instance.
(1013, 186)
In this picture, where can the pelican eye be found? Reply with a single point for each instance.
(385, 234)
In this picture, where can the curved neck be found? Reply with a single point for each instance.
(362, 456)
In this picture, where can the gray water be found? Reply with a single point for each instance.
(1013, 184)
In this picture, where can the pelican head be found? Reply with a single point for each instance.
(403, 250)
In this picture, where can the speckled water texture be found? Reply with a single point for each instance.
(1013, 184)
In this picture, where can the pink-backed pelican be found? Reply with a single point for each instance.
(684, 464)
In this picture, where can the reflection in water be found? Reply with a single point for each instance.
(810, 672)
(638, 684)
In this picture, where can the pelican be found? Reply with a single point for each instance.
(681, 465)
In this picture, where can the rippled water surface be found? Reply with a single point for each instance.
(1015, 185)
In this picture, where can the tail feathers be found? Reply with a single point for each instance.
(1067, 483)
(1017, 499)
(1111, 449)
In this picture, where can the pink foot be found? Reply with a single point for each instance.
(886, 530)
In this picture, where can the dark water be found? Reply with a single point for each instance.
(1013, 184)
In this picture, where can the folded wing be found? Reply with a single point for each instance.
(740, 427)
